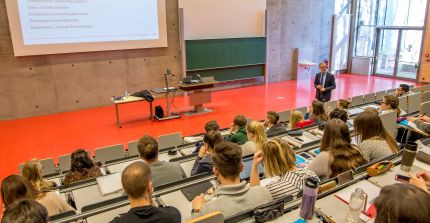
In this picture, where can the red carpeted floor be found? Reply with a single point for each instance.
(58, 134)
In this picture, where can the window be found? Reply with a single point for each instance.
(373, 13)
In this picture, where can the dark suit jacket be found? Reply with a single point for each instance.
(329, 85)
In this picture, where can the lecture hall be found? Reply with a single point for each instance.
(203, 111)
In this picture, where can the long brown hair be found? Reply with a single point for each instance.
(31, 171)
(212, 139)
(393, 102)
(343, 103)
(279, 158)
(369, 125)
(318, 111)
(337, 141)
(400, 203)
(15, 188)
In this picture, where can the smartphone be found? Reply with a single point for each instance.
(298, 139)
(306, 156)
(402, 178)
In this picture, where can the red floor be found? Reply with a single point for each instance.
(57, 134)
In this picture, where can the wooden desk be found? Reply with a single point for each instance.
(198, 97)
(126, 100)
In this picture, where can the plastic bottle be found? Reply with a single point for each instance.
(310, 192)
(356, 204)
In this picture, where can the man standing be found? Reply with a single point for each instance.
(324, 83)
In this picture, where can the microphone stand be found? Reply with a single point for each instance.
(169, 115)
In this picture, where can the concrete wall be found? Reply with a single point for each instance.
(40, 85)
(296, 24)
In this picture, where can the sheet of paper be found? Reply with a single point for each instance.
(109, 184)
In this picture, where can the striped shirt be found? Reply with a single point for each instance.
(289, 183)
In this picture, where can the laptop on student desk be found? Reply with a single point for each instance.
(109, 184)
(191, 192)
(247, 167)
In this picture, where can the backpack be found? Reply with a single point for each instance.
(159, 112)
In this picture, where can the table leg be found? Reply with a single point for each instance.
(117, 116)
(151, 117)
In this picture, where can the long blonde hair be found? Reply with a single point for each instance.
(296, 116)
(279, 158)
(258, 133)
(31, 171)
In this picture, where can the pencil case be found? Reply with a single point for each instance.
(379, 168)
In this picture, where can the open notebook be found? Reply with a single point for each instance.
(109, 184)
(371, 189)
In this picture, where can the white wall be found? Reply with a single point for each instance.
(212, 19)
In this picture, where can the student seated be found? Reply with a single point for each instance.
(337, 154)
(24, 211)
(33, 171)
(282, 176)
(316, 112)
(422, 122)
(272, 125)
(374, 142)
(401, 203)
(237, 132)
(162, 172)
(421, 180)
(82, 168)
(390, 103)
(17, 187)
(339, 114)
(204, 163)
(232, 196)
(256, 136)
(342, 104)
(403, 90)
(136, 180)
(209, 126)
(297, 120)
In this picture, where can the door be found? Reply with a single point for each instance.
(386, 52)
(398, 51)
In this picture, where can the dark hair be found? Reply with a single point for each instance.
(404, 87)
(339, 114)
(369, 125)
(135, 179)
(227, 158)
(393, 102)
(400, 203)
(337, 141)
(81, 161)
(25, 211)
(211, 125)
(318, 111)
(240, 120)
(16, 187)
(213, 138)
(273, 117)
(148, 148)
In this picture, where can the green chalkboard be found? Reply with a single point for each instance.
(225, 53)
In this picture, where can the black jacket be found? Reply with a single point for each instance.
(149, 214)
(329, 85)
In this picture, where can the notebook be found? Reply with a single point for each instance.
(371, 189)
(109, 184)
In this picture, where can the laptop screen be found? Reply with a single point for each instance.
(247, 166)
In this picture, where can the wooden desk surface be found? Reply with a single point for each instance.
(127, 99)
(197, 86)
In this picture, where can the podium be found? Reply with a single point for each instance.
(199, 97)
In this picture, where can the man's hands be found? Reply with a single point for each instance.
(322, 89)
(424, 118)
(202, 150)
(233, 129)
(198, 202)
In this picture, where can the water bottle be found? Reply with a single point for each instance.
(408, 156)
(310, 192)
(357, 203)
(125, 94)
